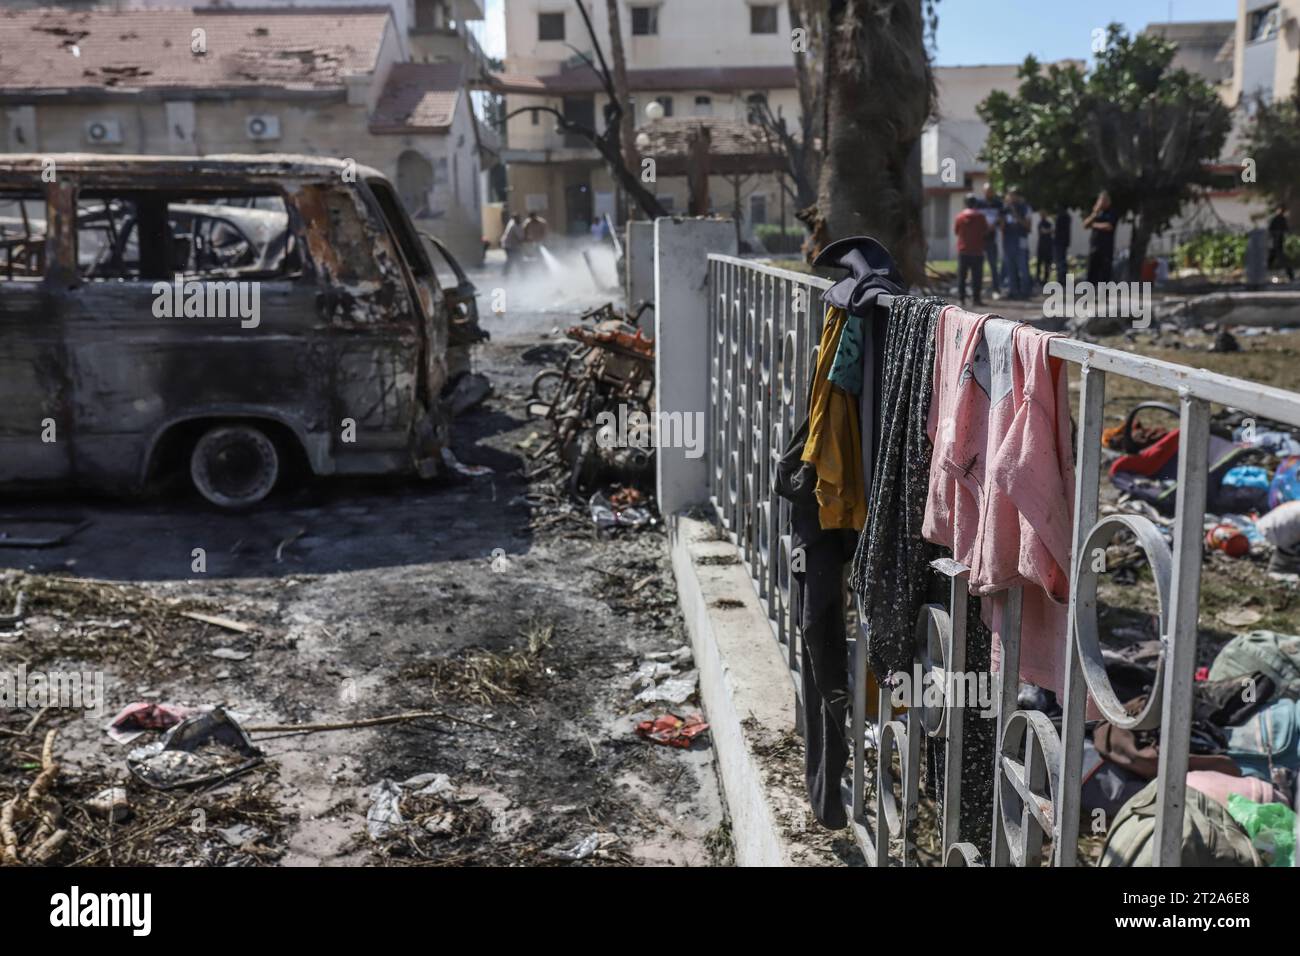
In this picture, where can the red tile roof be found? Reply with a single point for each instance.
(290, 48)
(583, 80)
(419, 97)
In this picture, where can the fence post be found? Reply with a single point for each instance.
(682, 351)
(640, 252)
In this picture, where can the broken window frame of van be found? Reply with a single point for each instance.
(355, 328)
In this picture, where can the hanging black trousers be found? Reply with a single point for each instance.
(817, 568)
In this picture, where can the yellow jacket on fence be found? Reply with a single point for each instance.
(834, 446)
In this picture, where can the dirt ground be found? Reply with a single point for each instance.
(475, 599)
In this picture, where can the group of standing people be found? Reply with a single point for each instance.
(522, 238)
(997, 230)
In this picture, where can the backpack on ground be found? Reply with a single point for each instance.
(1268, 742)
(1211, 837)
(1277, 655)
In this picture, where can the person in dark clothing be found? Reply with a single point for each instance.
(1043, 261)
(1016, 226)
(992, 209)
(1101, 242)
(972, 231)
(1061, 243)
(1277, 231)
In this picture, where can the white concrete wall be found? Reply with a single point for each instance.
(640, 251)
(682, 247)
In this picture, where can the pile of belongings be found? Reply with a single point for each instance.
(1242, 768)
(1253, 494)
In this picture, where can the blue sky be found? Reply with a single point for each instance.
(1005, 31)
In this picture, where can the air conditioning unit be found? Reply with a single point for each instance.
(262, 127)
(103, 131)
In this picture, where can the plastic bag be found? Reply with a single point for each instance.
(1272, 828)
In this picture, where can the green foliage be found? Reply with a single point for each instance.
(1036, 138)
(1273, 142)
(1133, 125)
(777, 240)
(1212, 251)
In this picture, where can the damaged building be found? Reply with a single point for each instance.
(353, 82)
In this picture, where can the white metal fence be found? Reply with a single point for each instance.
(764, 324)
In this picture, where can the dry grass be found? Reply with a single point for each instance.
(488, 677)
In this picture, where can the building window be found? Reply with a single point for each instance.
(1264, 23)
(763, 19)
(667, 103)
(703, 106)
(645, 21)
(22, 236)
(758, 210)
(550, 26)
(537, 117)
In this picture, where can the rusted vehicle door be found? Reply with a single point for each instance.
(35, 430)
(423, 282)
(166, 325)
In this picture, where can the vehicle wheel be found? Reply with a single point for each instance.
(234, 466)
(547, 385)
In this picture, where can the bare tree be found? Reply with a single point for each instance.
(609, 142)
(627, 124)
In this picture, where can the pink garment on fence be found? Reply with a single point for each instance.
(1002, 477)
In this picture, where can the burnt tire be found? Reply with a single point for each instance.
(547, 386)
(234, 466)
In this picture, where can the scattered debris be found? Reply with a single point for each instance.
(223, 622)
(110, 803)
(69, 527)
(279, 548)
(37, 814)
(465, 471)
(672, 690)
(230, 654)
(671, 730)
(600, 403)
(578, 849)
(385, 813)
(201, 749)
(606, 514)
(19, 611)
(135, 719)
(1239, 617)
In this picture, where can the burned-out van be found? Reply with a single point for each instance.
(222, 316)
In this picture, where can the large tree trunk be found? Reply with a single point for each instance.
(1137, 249)
(879, 96)
(631, 157)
